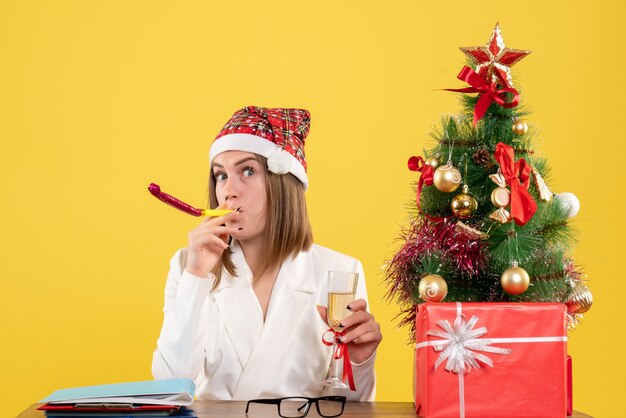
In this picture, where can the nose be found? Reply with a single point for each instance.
(230, 190)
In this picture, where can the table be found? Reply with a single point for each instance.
(225, 409)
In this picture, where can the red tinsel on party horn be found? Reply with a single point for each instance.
(155, 190)
(488, 92)
(517, 175)
(341, 351)
(427, 173)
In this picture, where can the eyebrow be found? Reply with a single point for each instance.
(237, 163)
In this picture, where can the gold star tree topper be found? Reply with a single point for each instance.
(493, 60)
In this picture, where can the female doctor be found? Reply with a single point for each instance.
(245, 301)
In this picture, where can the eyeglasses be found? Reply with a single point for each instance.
(299, 406)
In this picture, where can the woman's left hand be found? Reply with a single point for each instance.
(362, 331)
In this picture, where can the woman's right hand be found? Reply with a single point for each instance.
(207, 242)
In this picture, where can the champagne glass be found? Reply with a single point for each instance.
(341, 291)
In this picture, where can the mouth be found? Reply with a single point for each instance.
(231, 206)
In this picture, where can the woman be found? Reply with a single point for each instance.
(240, 300)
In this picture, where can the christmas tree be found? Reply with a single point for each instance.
(485, 226)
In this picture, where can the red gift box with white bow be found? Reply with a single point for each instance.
(491, 360)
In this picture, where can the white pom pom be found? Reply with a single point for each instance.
(570, 202)
(279, 162)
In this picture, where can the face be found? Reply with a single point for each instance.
(240, 183)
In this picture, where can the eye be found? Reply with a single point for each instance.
(248, 171)
(219, 176)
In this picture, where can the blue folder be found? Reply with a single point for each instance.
(150, 392)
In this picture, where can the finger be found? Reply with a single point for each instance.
(357, 305)
(369, 337)
(211, 229)
(227, 232)
(220, 230)
(356, 318)
(205, 235)
(217, 241)
(358, 334)
(323, 311)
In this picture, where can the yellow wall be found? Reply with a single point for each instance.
(98, 99)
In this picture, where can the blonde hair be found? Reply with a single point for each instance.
(287, 227)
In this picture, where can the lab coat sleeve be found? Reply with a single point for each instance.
(364, 375)
(180, 350)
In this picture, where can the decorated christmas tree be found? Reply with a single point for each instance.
(485, 226)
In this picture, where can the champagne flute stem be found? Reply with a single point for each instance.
(336, 361)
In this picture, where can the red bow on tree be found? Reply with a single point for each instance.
(417, 164)
(517, 175)
(488, 92)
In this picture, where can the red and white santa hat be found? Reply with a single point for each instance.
(274, 133)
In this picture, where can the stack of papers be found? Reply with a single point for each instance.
(152, 398)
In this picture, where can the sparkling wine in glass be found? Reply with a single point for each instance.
(338, 308)
(341, 291)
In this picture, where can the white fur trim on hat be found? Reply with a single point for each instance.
(281, 160)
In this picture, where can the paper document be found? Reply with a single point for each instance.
(150, 392)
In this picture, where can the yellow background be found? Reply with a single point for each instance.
(98, 99)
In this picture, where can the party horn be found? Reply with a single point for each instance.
(185, 207)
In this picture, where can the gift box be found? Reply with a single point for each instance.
(570, 395)
(491, 360)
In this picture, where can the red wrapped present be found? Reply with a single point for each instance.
(491, 360)
(570, 395)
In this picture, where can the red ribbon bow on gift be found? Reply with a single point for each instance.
(417, 164)
(341, 351)
(517, 175)
(488, 92)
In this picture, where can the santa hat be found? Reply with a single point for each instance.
(274, 133)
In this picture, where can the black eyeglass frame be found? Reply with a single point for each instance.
(308, 403)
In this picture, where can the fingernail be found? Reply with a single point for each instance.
(343, 339)
(318, 307)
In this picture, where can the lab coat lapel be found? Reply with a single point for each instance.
(239, 308)
(292, 297)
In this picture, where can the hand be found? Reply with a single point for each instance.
(207, 242)
(362, 331)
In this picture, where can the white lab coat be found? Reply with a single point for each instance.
(218, 337)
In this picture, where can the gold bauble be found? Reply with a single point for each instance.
(433, 162)
(501, 197)
(447, 178)
(520, 127)
(514, 280)
(579, 300)
(433, 288)
(464, 205)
